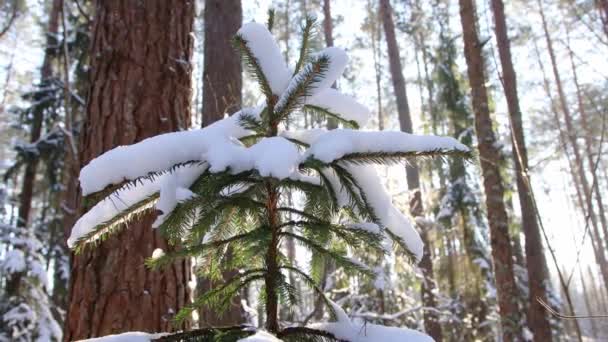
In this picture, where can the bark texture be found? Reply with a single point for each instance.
(222, 85)
(431, 320)
(535, 257)
(222, 70)
(140, 87)
(492, 180)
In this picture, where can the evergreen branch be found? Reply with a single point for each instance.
(304, 334)
(194, 251)
(250, 122)
(114, 189)
(217, 334)
(300, 87)
(211, 297)
(307, 34)
(323, 112)
(411, 257)
(252, 64)
(311, 283)
(270, 23)
(338, 258)
(390, 158)
(102, 231)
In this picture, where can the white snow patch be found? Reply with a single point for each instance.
(159, 153)
(267, 52)
(158, 253)
(261, 336)
(340, 104)
(272, 157)
(345, 329)
(14, 261)
(336, 143)
(132, 336)
(389, 216)
(114, 205)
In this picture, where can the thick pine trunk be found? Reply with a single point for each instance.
(492, 181)
(535, 258)
(431, 321)
(140, 87)
(222, 86)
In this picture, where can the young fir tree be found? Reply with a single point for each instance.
(224, 188)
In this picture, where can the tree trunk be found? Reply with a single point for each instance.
(535, 257)
(375, 33)
(223, 78)
(591, 159)
(140, 87)
(222, 85)
(579, 166)
(29, 177)
(492, 181)
(431, 321)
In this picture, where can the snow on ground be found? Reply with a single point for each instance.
(132, 336)
(346, 329)
(260, 336)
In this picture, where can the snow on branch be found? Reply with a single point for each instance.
(343, 106)
(347, 330)
(266, 54)
(339, 143)
(159, 153)
(108, 213)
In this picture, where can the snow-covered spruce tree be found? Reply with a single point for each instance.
(221, 190)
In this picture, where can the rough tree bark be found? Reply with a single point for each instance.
(222, 70)
(492, 181)
(29, 177)
(222, 86)
(431, 320)
(535, 257)
(140, 87)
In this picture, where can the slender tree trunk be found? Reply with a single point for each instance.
(222, 89)
(431, 321)
(140, 87)
(594, 233)
(570, 130)
(535, 257)
(588, 306)
(374, 31)
(29, 177)
(591, 157)
(494, 189)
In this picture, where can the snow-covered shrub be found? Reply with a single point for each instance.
(220, 191)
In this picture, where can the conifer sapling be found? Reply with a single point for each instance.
(221, 191)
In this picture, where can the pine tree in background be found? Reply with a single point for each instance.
(459, 206)
(223, 188)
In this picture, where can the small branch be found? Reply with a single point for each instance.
(559, 315)
(10, 20)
